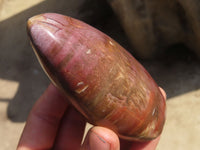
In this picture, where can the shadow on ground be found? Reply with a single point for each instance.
(18, 62)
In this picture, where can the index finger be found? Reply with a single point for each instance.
(43, 122)
(149, 145)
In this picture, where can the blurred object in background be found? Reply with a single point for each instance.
(154, 25)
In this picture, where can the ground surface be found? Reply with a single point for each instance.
(22, 80)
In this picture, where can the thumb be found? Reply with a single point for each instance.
(100, 138)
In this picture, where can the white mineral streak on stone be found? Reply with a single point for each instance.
(82, 89)
(120, 75)
(121, 72)
(88, 51)
(149, 129)
(111, 43)
(80, 83)
(153, 112)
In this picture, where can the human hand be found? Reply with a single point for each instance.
(54, 124)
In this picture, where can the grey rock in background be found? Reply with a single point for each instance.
(152, 26)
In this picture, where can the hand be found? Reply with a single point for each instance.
(54, 124)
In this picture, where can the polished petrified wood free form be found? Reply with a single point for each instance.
(100, 78)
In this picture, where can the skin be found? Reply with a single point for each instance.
(54, 124)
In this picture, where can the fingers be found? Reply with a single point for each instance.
(100, 138)
(44, 119)
(151, 145)
(134, 145)
(71, 131)
(45, 129)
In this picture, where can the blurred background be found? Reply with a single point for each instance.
(176, 69)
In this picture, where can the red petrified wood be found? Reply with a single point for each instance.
(101, 79)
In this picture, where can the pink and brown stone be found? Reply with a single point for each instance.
(100, 78)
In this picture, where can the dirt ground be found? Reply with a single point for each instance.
(22, 80)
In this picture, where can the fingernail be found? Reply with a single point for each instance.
(96, 142)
